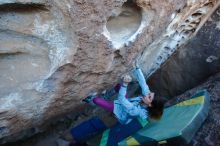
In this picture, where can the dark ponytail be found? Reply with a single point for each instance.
(156, 110)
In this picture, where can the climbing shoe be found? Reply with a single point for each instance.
(89, 99)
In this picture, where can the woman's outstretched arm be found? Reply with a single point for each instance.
(142, 82)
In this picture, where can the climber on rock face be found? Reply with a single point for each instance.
(146, 106)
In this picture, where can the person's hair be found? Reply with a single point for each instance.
(157, 106)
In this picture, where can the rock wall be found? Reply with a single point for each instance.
(192, 63)
(54, 53)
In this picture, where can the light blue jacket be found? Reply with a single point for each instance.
(127, 109)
